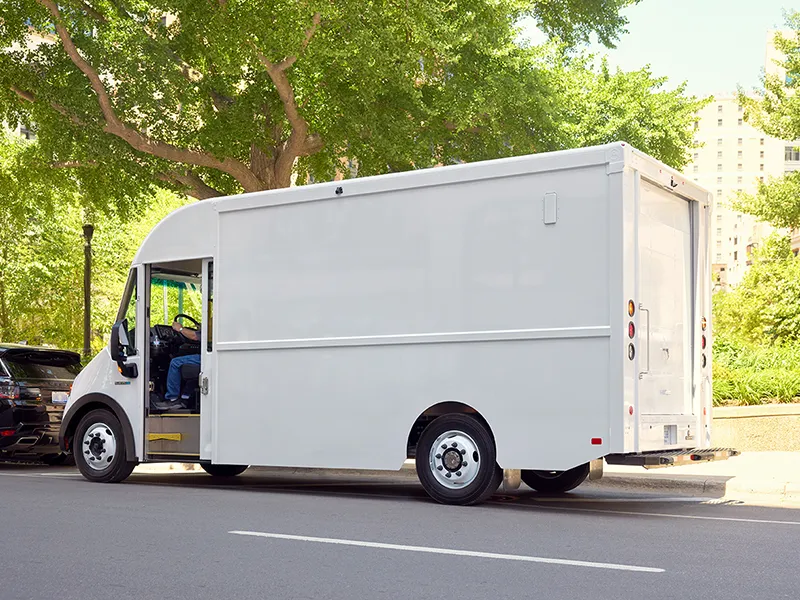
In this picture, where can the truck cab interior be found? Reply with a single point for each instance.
(175, 298)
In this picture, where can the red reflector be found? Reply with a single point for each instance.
(630, 410)
(6, 432)
(632, 331)
(703, 342)
(704, 411)
(597, 441)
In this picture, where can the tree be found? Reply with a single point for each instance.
(765, 307)
(777, 113)
(225, 96)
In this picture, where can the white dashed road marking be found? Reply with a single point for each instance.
(449, 551)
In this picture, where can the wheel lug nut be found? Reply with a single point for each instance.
(440, 467)
(454, 445)
(463, 451)
(464, 464)
(438, 456)
(447, 475)
(458, 473)
(444, 446)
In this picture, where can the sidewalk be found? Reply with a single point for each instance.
(772, 474)
(768, 475)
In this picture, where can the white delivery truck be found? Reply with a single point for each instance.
(532, 314)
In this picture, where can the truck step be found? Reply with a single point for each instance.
(671, 458)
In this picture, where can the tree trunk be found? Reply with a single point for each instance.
(88, 232)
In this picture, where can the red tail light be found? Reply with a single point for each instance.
(631, 330)
(7, 432)
(597, 441)
(703, 342)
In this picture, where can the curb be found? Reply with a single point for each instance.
(715, 486)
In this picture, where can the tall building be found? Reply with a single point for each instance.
(733, 157)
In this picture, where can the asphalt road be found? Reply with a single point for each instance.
(185, 536)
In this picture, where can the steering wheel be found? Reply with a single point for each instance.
(185, 316)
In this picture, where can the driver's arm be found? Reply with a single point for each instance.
(192, 335)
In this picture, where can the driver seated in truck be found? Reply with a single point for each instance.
(173, 394)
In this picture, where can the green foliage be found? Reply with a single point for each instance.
(757, 331)
(777, 201)
(41, 253)
(755, 375)
(237, 94)
(604, 106)
(777, 113)
(765, 306)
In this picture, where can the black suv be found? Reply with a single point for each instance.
(34, 388)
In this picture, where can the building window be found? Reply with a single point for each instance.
(739, 154)
(739, 179)
(719, 218)
(739, 190)
(696, 156)
(719, 167)
(719, 141)
(791, 153)
(719, 193)
(719, 154)
(719, 179)
(719, 243)
(719, 108)
(735, 255)
(761, 167)
(739, 167)
(761, 141)
(740, 141)
(740, 122)
(740, 108)
(719, 257)
(761, 179)
(719, 122)
(719, 230)
(695, 169)
(735, 241)
(761, 154)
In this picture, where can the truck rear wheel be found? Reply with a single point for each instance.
(556, 482)
(99, 448)
(223, 470)
(457, 460)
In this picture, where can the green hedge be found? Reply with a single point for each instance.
(755, 375)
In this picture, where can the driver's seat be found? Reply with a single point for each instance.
(190, 385)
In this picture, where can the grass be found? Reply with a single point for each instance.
(755, 375)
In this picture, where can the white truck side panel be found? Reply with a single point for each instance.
(338, 322)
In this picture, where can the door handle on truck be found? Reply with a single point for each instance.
(647, 340)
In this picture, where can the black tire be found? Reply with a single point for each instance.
(117, 467)
(56, 460)
(488, 477)
(556, 482)
(223, 470)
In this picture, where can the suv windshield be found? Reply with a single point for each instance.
(29, 370)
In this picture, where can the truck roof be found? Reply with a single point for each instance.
(190, 232)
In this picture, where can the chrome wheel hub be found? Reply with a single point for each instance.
(99, 446)
(454, 459)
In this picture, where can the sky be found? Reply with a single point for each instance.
(713, 45)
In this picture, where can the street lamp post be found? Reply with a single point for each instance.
(88, 232)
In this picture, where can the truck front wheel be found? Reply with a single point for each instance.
(556, 482)
(457, 460)
(99, 448)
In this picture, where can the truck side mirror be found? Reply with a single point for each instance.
(116, 348)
